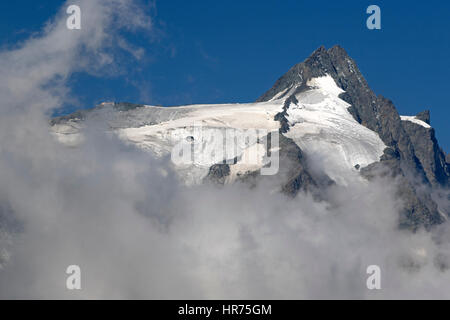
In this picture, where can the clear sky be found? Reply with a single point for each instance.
(209, 51)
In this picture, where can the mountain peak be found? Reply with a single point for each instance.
(335, 50)
(318, 51)
(334, 62)
(407, 151)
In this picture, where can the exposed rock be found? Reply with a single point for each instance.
(218, 173)
(294, 172)
(424, 116)
(317, 65)
(427, 151)
(281, 117)
(419, 209)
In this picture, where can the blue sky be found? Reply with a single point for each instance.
(232, 51)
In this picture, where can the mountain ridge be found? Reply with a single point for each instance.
(411, 147)
(374, 112)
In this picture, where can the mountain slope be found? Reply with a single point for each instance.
(374, 112)
(334, 130)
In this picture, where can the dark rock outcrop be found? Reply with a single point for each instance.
(281, 117)
(297, 176)
(418, 207)
(427, 151)
(317, 65)
(218, 173)
(294, 172)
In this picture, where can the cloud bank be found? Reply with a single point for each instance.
(137, 232)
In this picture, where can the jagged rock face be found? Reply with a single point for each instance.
(413, 149)
(419, 209)
(424, 116)
(427, 150)
(294, 171)
(317, 65)
(298, 176)
(376, 113)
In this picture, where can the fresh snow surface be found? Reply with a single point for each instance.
(329, 135)
(416, 121)
(240, 118)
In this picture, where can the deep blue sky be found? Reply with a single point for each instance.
(207, 51)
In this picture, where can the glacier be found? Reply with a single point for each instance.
(320, 125)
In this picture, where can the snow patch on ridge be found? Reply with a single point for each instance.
(416, 121)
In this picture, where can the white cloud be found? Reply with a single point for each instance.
(137, 233)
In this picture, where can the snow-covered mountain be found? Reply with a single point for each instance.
(333, 130)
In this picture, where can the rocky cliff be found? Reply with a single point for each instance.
(413, 154)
